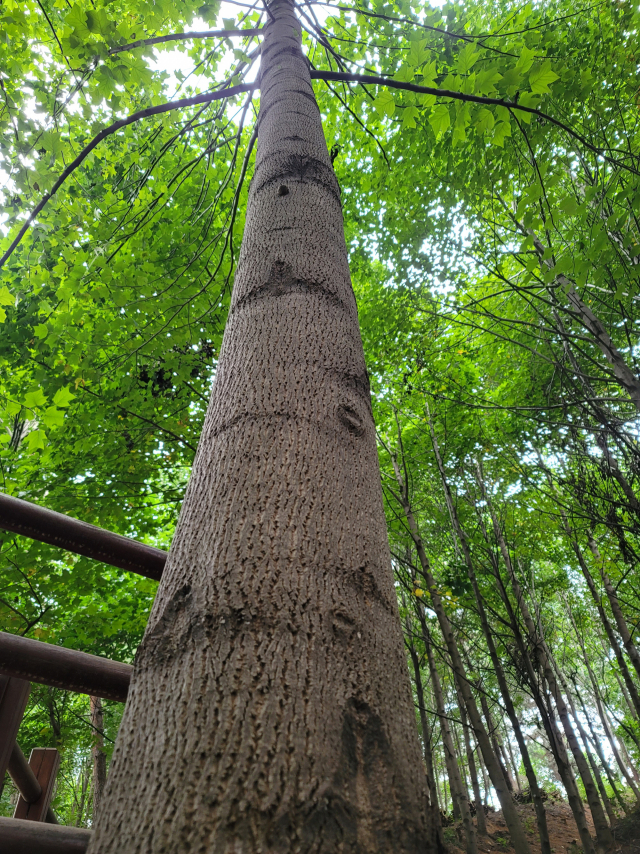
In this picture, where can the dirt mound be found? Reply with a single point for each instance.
(563, 833)
(626, 833)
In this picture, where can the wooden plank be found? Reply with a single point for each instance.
(14, 694)
(59, 667)
(32, 837)
(57, 529)
(44, 762)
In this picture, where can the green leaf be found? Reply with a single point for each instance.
(6, 297)
(485, 83)
(409, 116)
(511, 78)
(76, 18)
(3, 315)
(501, 131)
(542, 77)
(53, 417)
(36, 440)
(526, 60)
(384, 104)
(569, 205)
(209, 11)
(418, 53)
(440, 119)
(404, 74)
(63, 397)
(484, 121)
(467, 58)
(429, 74)
(99, 23)
(41, 330)
(35, 398)
(527, 99)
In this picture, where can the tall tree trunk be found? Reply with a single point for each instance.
(493, 735)
(450, 757)
(595, 740)
(471, 762)
(632, 710)
(97, 753)
(604, 619)
(270, 707)
(632, 690)
(485, 780)
(514, 824)
(493, 653)
(514, 764)
(536, 683)
(426, 738)
(585, 741)
(606, 723)
(556, 744)
(601, 711)
(621, 623)
(603, 833)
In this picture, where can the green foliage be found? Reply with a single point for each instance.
(470, 228)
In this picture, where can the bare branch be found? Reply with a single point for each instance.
(116, 126)
(174, 37)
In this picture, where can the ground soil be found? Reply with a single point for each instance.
(563, 833)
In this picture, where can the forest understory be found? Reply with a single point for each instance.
(563, 832)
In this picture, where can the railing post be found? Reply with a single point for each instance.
(14, 694)
(44, 762)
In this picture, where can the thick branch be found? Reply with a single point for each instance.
(174, 37)
(116, 126)
(461, 96)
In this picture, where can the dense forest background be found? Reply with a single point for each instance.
(495, 256)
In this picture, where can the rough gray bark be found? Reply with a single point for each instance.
(270, 708)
